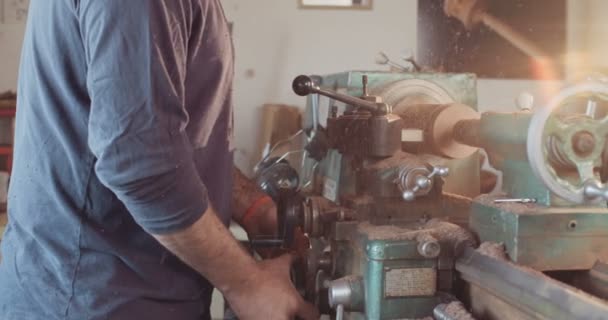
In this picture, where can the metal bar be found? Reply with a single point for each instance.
(315, 112)
(304, 85)
(529, 291)
(519, 200)
(266, 243)
(340, 312)
(356, 102)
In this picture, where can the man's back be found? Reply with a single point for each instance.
(115, 95)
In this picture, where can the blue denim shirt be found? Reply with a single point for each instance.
(123, 129)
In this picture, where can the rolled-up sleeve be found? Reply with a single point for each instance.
(136, 58)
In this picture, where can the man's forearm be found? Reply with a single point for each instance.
(254, 290)
(244, 193)
(208, 247)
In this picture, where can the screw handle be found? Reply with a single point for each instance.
(421, 182)
(596, 190)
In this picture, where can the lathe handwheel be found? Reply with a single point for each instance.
(579, 143)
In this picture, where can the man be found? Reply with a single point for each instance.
(122, 169)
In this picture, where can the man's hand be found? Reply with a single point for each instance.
(255, 290)
(270, 295)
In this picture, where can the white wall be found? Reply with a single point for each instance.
(275, 41)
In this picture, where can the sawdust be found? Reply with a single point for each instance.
(452, 233)
(389, 232)
(440, 230)
(457, 311)
(400, 158)
(456, 199)
(494, 250)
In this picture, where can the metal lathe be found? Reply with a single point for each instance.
(389, 198)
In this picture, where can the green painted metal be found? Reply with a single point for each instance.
(520, 182)
(549, 235)
(371, 255)
(504, 137)
(462, 87)
(544, 238)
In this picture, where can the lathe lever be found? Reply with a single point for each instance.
(304, 85)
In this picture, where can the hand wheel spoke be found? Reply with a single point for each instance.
(586, 171)
(557, 128)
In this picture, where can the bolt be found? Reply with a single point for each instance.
(525, 101)
(429, 249)
(334, 111)
(284, 184)
(325, 262)
(365, 93)
(572, 225)
(583, 143)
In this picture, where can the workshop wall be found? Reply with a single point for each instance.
(275, 41)
(588, 35)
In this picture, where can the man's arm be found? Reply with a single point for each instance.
(254, 290)
(261, 220)
(215, 249)
(136, 55)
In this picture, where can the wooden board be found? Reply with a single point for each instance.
(279, 122)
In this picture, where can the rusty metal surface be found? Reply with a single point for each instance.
(594, 281)
(448, 207)
(487, 306)
(523, 293)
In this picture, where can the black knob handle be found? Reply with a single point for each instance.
(303, 85)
